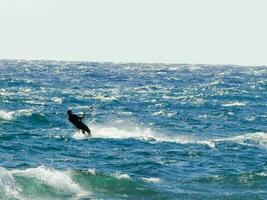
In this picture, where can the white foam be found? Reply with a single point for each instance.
(5, 115)
(253, 118)
(92, 171)
(231, 104)
(57, 100)
(3, 92)
(36, 102)
(59, 180)
(24, 91)
(103, 98)
(161, 112)
(164, 113)
(121, 176)
(147, 134)
(256, 139)
(262, 174)
(8, 184)
(25, 112)
(78, 135)
(151, 180)
(131, 131)
(259, 138)
(121, 132)
(11, 115)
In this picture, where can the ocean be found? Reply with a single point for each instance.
(159, 131)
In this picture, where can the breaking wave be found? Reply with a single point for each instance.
(11, 115)
(48, 183)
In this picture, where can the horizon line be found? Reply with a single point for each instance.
(125, 62)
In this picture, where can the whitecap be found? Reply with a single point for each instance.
(256, 139)
(5, 115)
(236, 103)
(3, 92)
(103, 97)
(161, 112)
(151, 180)
(262, 174)
(92, 171)
(11, 115)
(253, 118)
(24, 112)
(59, 180)
(121, 176)
(164, 113)
(8, 184)
(33, 102)
(24, 91)
(57, 100)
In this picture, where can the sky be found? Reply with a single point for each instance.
(165, 31)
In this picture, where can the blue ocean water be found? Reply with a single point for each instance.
(159, 131)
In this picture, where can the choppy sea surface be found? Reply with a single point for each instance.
(158, 131)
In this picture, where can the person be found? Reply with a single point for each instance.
(77, 121)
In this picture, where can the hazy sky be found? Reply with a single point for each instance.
(180, 31)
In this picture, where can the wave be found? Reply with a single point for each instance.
(147, 134)
(5, 115)
(121, 176)
(57, 100)
(8, 186)
(39, 183)
(251, 139)
(246, 179)
(11, 115)
(57, 179)
(258, 139)
(232, 104)
(29, 115)
(151, 180)
(48, 183)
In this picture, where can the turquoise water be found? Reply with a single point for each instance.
(159, 131)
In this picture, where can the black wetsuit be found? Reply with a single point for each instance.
(77, 121)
